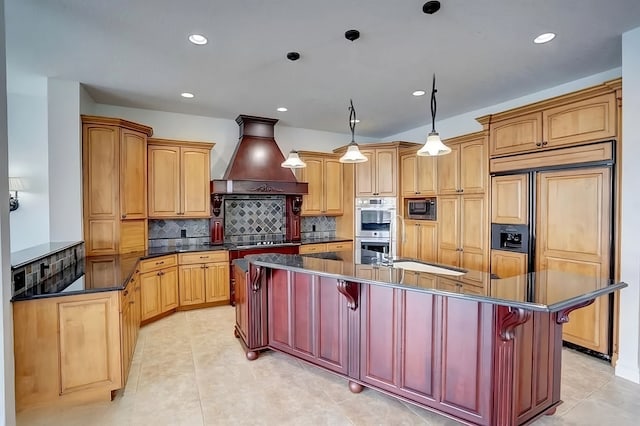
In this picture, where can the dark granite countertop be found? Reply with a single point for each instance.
(242, 263)
(548, 291)
(31, 254)
(324, 240)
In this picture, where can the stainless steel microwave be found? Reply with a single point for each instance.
(421, 208)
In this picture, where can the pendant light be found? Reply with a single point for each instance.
(353, 154)
(293, 161)
(434, 145)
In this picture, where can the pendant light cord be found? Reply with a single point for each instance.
(352, 120)
(433, 105)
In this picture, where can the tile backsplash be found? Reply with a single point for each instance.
(170, 232)
(251, 219)
(318, 227)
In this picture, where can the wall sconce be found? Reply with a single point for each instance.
(15, 185)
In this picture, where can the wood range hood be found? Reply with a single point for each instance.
(255, 165)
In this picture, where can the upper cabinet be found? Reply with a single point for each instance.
(179, 175)
(324, 174)
(418, 175)
(585, 116)
(465, 169)
(378, 175)
(114, 164)
(510, 199)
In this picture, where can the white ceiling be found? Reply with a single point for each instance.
(136, 54)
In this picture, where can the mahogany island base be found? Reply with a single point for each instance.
(471, 358)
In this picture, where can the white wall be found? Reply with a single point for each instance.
(65, 161)
(629, 361)
(7, 390)
(466, 123)
(28, 159)
(87, 104)
(223, 132)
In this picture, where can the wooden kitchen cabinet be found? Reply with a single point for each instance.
(130, 318)
(114, 163)
(377, 176)
(513, 267)
(67, 349)
(420, 240)
(179, 175)
(324, 174)
(510, 199)
(463, 233)
(465, 169)
(158, 286)
(573, 228)
(325, 247)
(418, 175)
(586, 116)
(204, 277)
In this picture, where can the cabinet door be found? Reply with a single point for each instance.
(449, 172)
(510, 199)
(168, 289)
(88, 336)
(518, 134)
(133, 175)
(164, 181)
(428, 241)
(426, 175)
(149, 295)
(191, 284)
(217, 282)
(194, 171)
(312, 174)
(573, 235)
(410, 245)
(386, 172)
(448, 232)
(474, 243)
(589, 120)
(511, 268)
(333, 183)
(408, 167)
(473, 167)
(366, 175)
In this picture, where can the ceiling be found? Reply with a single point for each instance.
(136, 54)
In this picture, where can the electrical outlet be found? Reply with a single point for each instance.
(183, 233)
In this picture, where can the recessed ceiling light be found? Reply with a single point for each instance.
(187, 95)
(544, 38)
(197, 39)
(419, 93)
(282, 109)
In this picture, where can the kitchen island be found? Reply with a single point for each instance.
(464, 344)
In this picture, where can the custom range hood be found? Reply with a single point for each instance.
(255, 165)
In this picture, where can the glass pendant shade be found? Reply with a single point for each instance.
(293, 161)
(434, 146)
(353, 154)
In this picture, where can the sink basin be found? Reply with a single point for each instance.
(421, 267)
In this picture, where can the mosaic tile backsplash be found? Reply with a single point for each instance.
(318, 227)
(26, 276)
(176, 232)
(251, 219)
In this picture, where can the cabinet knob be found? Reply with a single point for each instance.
(544, 143)
(125, 292)
(538, 143)
(124, 216)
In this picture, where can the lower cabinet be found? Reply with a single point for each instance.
(204, 277)
(130, 317)
(308, 318)
(325, 247)
(159, 287)
(68, 349)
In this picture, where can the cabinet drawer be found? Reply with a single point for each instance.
(344, 245)
(203, 257)
(312, 248)
(158, 263)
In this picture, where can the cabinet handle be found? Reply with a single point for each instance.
(204, 257)
(125, 292)
(159, 263)
(124, 216)
(544, 143)
(158, 274)
(538, 143)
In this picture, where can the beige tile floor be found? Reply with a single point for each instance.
(188, 369)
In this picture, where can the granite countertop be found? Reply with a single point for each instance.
(324, 240)
(548, 291)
